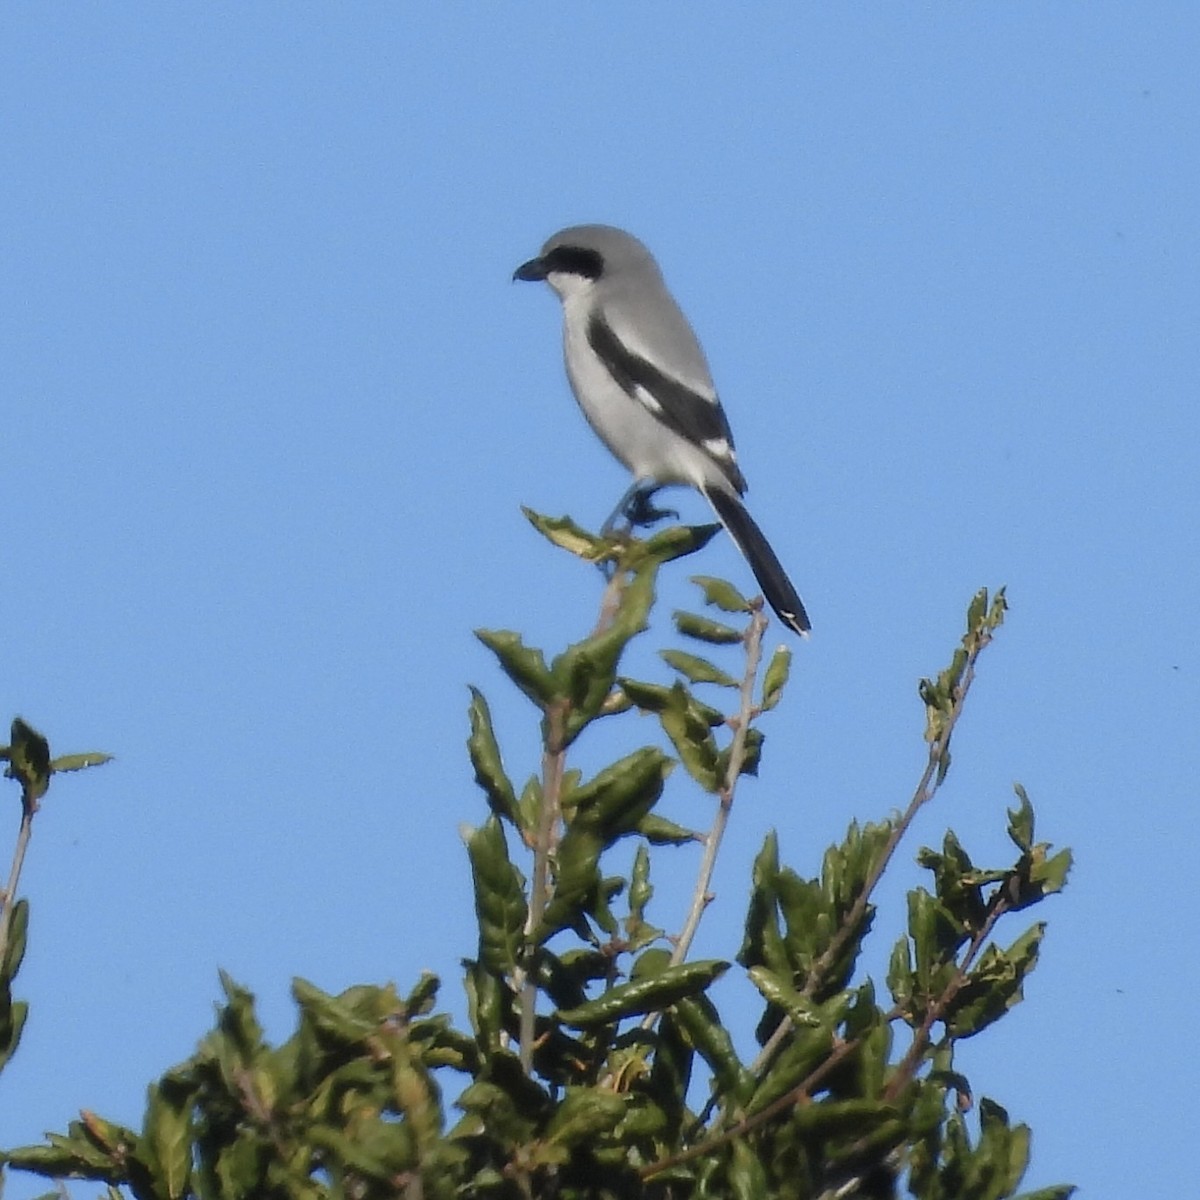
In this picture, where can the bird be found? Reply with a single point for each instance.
(639, 374)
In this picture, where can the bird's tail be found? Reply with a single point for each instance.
(772, 578)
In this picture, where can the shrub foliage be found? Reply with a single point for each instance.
(596, 1062)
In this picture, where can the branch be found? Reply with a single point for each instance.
(554, 756)
(907, 1067)
(927, 787)
(545, 839)
(701, 896)
(800, 1094)
(8, 900)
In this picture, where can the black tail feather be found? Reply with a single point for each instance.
(772, 578)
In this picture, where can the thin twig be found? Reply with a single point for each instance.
(553, 761)
(907, 1068)
(610, 601)
(701, 896)
(927, 787)
(800, 1094)
(737, 756)
(908, 1065)
(554, 757)
(8, 901)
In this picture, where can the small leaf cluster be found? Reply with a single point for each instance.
(938, 971)
(30, 764)
(12, 1012)
(346, 1107)
(596, 1062)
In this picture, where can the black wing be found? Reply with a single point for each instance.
(698, 418)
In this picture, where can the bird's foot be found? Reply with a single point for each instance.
(640, 511)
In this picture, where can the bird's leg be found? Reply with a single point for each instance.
(640, 512)
(634, 510)
(618, 516)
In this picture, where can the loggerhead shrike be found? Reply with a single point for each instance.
(643, 383)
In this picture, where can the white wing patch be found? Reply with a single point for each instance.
(649, 399)
(720, 449)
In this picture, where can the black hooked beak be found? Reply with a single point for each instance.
(531, 271)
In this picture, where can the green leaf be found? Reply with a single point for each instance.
(64, 1158)
(108, 1137)
(510, 1103)
(524, 665)
(379, 1150)
(641, 890)
(237, 1026)
(29, 761)
(1049, 875)
(697, 1016)
(586, 671)
(777, 990)
(489, 767)
(692, 738)
(646, 995)
(584, 1114)
(698, 670)
(936, 938)
(762, 941)
(12, 1021)
(565, 978)
(720, 593)
(423, 995)
(643, 1120)
(705, 629)
(488, 1004)
(860, 1117)
(1007, 1148)
(1020, 821)
(977, 609)
(499, 898)
(654, 698)
(999, 607)
(994, 985)
(14, 951)
(671, 1071)
(866, 1022)
(776, 677)
(79, 762)
(564, 533)
(747, 1175)
(331, 1015)
(959, 886)
(166, 1141)
(650, 963)
(93, 1149)
(576, 882)
(899, 974)
(751, 754)
(676, 541)
(616, 800)
(791, 1066)
(530, 803)
(600, 912)
(658, 831)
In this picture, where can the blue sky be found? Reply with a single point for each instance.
(270, 406)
